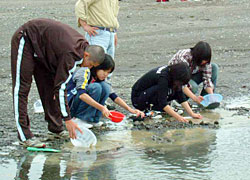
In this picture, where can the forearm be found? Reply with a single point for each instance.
(123, 104)
(186, 106)
(82, 22)
(189, 93)
(87, 99)
(188, 109)
(171, 112)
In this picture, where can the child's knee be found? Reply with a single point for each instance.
(215, 69)
(95, 88)
(194, 86)
(106, 87)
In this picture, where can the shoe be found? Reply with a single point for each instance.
(109, 106)
(86, 124)
(83, 123)
(99, 124)
(33, 142)
(175, 104)
(62, 135)
(139, 118)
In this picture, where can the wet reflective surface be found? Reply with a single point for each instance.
(194, 153)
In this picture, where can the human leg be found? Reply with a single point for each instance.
(142, 100)
(196, 79)
(102, 39)
(81, 109)
(22, 66)
(194, 86)
(111, 47)
(215, 71)
(45, 85)
(104, 96)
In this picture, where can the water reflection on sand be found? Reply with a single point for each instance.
(191, 153)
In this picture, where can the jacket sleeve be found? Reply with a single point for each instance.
(112, 94)
(65, 68)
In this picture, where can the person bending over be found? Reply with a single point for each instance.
(49, 51)
(198, 58)
(158, 87)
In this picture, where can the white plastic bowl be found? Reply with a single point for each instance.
(38, 107)
(87, 139)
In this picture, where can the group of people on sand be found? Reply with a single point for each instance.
(51, 51)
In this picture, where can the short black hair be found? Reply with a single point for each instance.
(107, 64)
(201, 51)
(96, 53)
(180, 72)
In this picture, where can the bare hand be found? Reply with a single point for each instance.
(182, 119)
(197, 116)
(138, 113)
(198, 99)
(90, 30)
(105, 112)
(71, 127)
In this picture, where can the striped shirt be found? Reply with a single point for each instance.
(79, 83)
(185, 56)
(81, 78)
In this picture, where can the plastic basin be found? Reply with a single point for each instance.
(116, 116)
(211, 100)
(87, 139)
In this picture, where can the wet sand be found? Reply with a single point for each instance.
(150, 34)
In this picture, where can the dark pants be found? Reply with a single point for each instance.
(142, 100)
(148, 99)
(23, 66)
(99, 91)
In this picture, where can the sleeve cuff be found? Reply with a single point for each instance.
(81, 91)
(67, 118)
(163, 106)
(113, 96)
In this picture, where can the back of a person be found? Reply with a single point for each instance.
(147, 80)
(183, 55)
(51, 39)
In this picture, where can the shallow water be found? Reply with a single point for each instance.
(196, 153)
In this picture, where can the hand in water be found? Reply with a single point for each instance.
(71, 127)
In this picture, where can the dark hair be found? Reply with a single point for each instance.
(201, 51)
(107, 64)
(96, 53)
(180, 72)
